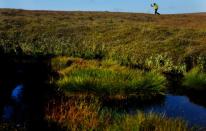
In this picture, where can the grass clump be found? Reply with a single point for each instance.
(163, 63)
(195, 79)
(149, 122)
(74, 114)
(112, 81)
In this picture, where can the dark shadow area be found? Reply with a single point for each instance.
(33, 74)
(133, 102)
(198, 99)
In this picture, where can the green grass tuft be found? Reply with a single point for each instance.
(195, 79)
(110, 82)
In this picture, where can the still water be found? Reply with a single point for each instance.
(170, 105)
(181, 106)
(15, 103)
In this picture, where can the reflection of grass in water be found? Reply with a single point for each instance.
(195, 79)
(111, 82)
(85, 113)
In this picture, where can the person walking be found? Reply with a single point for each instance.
(156, 7)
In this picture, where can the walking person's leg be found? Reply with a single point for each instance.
(156, 11)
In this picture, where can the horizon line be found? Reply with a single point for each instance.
(131, 12)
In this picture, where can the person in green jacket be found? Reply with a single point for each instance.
(156, 7)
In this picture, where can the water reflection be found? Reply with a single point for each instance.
(16, 94)
(7, 112)
(169, 105)
(182, 107)
(15, 104)
(24, 90)
(198, 98)
(134, 102)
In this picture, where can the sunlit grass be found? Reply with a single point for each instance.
(149, 122)
(195, 79)
(85, 113)
(111, 79)
(129, 39)
(76, 114)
